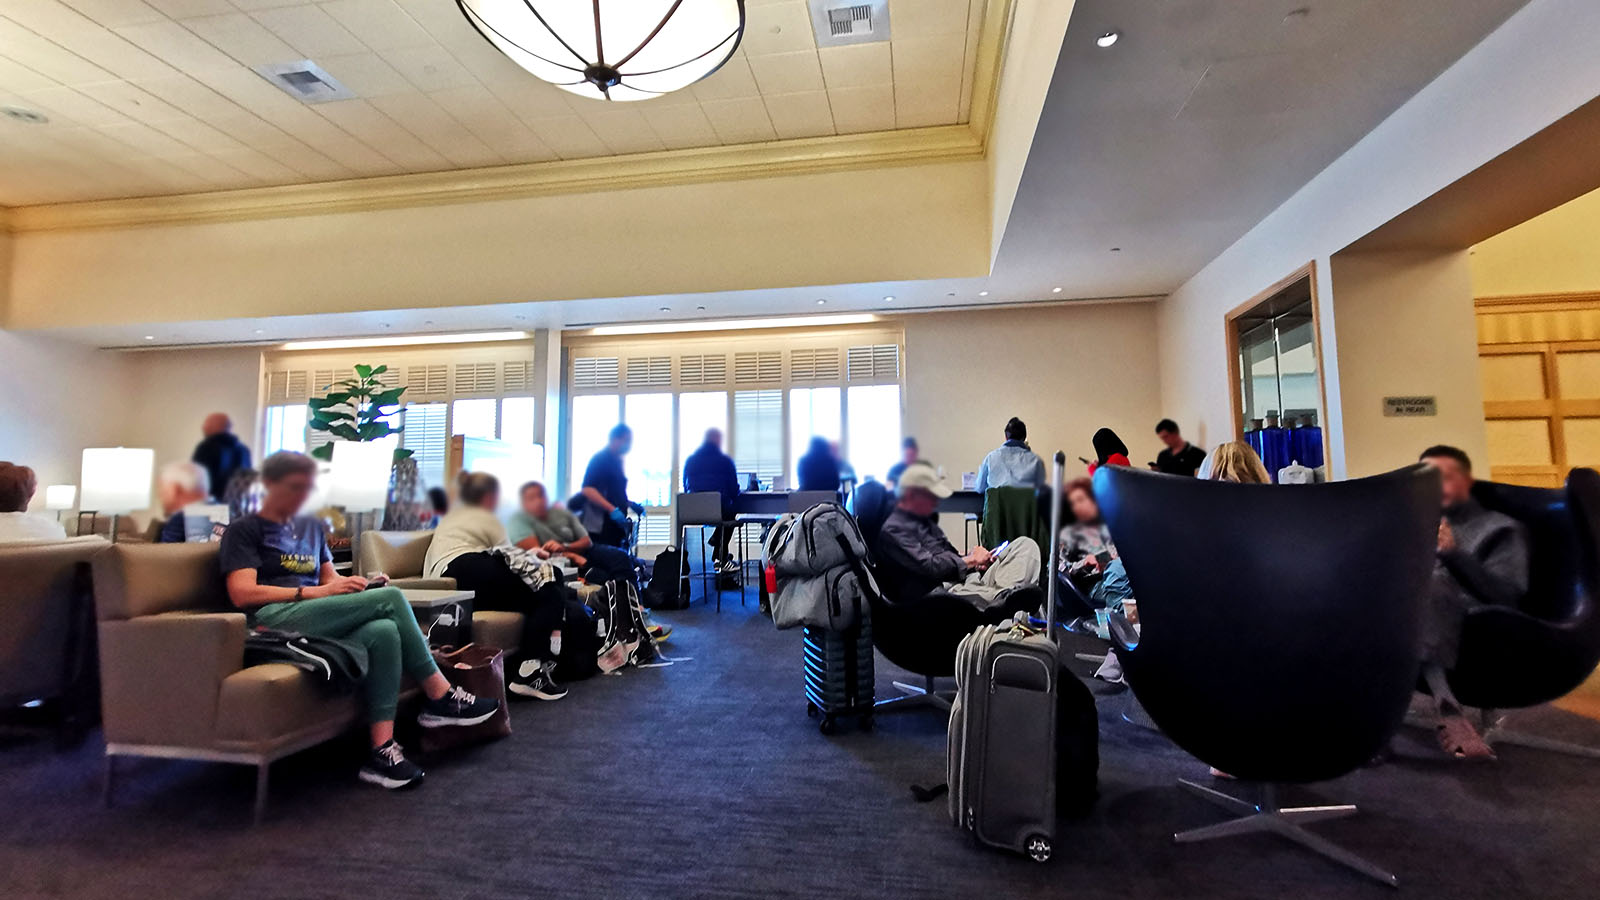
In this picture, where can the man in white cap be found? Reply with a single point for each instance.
(919, 559)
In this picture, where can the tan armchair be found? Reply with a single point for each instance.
(46, 625)
(400, 555)
(172, 677)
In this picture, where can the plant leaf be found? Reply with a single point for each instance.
(364, 372)
(324, 452)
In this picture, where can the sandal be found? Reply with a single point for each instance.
(1458, 738)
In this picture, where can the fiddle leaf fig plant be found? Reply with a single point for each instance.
(356, 409)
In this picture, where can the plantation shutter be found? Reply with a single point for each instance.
(758, 432)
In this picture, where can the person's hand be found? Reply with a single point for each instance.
(1447, 537)
(344, 584)
(617, 515)
(979, 558)
(1091, 563)
(552, 546)
(577, 559)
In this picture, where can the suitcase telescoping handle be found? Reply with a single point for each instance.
(1057, 475)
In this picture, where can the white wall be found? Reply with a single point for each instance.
(1533, 70)
(1406, 327)
(171, 391)
(56, 399)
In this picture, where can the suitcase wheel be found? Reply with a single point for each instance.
(826, 726)
(1039, 848)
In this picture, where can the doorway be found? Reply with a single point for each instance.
(1275, 362)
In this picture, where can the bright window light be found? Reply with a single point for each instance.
(593, 417)
(517, 416)
(474, 417)
(649, 464)
(813, 412)
(873, 428)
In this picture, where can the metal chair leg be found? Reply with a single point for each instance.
(111, 780)
(262, 771)
(914, 696)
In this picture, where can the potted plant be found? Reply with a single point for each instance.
(357, 409)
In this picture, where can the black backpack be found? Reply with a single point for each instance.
(667, 590)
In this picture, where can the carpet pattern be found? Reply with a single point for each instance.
(705, 779)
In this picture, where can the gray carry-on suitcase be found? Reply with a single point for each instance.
(1002, 741)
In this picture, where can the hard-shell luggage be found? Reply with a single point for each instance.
(1002, 740)
(839, 675)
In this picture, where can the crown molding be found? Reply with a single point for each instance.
(6, 226)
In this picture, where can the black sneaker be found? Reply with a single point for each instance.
(535, 679)
(388, 767)
(456, 708)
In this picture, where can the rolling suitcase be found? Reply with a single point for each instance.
(1002, 740)
(839, 675)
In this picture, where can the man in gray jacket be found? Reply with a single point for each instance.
(1482, 559)
(918, 559)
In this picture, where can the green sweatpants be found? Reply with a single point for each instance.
(381, 621)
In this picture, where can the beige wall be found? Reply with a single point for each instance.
(171, 391)
(1558, 252)
(1064, 370)
(56, 399)
(1406, 327)
(1533, 70)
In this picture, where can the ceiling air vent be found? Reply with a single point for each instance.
(305, 81)
(839, 22)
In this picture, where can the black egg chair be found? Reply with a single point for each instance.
(1549, 643)
(1279, 627)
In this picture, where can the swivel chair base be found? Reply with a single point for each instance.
(915, 696)
(1269, 817)
(1495, 732)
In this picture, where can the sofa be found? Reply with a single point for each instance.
(400, 555)
(47, 626)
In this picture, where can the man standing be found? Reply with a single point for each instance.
(1012, 464)
(1483, 559)
(709, 469)
(605, 490)
(1180, 457)
(220, 453)
(919, 559)
(909, 453)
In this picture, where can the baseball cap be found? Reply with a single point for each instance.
(922, 475)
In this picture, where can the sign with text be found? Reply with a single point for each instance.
(1411, 406)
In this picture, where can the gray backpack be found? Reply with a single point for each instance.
(821, 539)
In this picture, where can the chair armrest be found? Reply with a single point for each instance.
(160, 675)
(423, 584)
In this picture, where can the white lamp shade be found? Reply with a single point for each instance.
(359, 477)
(117, 479)
(615, 50)
(60, 496)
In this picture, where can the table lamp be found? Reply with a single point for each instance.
(117, 480)
(359, 477)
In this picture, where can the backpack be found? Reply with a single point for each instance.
(336, 666)
(581, 641)
(665, 589)
(818, 540)
(834, 600)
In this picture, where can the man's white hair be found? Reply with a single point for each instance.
(190, 476)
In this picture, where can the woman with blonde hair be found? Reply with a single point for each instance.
(1235, 461)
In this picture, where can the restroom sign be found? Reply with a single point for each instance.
(1411, 406)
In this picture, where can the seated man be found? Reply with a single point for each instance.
(540, 526)
(180, 484)
(918, 559)
(17, 485)
(1482, 559)
(709, 469)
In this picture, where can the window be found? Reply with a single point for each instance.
(286, 429)
(593, 417)
(873, 413)
(649, 465)
(517, 416)
(758, 433)
(424, 436)
(813, 412)
(696, 413)
(474, 418)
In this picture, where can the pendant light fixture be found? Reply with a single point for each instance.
(612, 49)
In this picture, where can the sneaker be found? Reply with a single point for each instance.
(387, 767)
(659, 633)
(535, 679)
(456, 708)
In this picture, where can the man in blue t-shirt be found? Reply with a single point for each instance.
(605, 490)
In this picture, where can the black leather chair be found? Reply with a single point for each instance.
(921, 635)
(1279, 627)
(1511, 658)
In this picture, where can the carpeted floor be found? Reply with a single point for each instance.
(707, 780)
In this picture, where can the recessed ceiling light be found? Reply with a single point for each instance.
(26, 116)
(1106, 39)
(149, 337)
(951, 294)
(983, 293)
(1055, 290)
(260, 331)
(664, 309)
(821, 302)
(888, 299)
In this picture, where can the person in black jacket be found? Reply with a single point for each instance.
(1180, 457)
(819, 468)
(221, 453)
(709, 469)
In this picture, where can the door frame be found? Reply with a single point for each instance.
(1231, 341)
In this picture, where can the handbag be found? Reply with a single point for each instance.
(480, 669)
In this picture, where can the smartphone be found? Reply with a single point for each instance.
(1000, 549)
(377, 582)
(1103, 558)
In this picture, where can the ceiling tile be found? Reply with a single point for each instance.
(178, 46)
(779, 28)
(253, 5)
(381, 24)
(256, 163)
(144, 138)
(679, 126)
(190, 96)
(78, 34)
(420, 115)
(48, 59)
(800, 115)
(862, 109)
(112, 13)
(71, 105)
(429, 68)
(741, 121)
(623, 128)
(183, 9)
(918, 18)
(366, 74)
(132, 102)
(309, 30)
(373, 128)
(242, 38)
(787, 73)
(532, 99)
(932, 103)
(197, 134)
(857, 65)
(487, 118)
(933, 58)
(731, 81)
(16, 78)
(569, 136)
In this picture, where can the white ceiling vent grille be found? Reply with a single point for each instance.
(760, 367)
(838, 22)
(305, 81)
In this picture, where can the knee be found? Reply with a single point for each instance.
(379, 635)
(390, 598)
